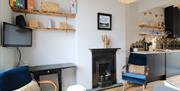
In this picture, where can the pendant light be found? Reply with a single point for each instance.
(127, 1)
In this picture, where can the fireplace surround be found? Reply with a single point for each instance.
(103, 67)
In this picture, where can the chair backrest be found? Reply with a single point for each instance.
(137, 59)
(137, 63)
(14, 78)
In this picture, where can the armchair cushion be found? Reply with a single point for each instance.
(32, 86)
(14, 78)
(136, 78)
(136, 69)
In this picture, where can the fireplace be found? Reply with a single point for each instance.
(104, 67)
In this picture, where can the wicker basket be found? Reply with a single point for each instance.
(50, 6)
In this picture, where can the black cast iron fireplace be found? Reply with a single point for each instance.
(104, 67)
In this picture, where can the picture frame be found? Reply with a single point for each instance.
(104, 21)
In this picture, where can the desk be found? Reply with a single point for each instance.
(37, 71)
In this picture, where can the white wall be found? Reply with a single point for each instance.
(51, 47)
(132, 29)
(144, 5)
(7, 55)
(88, 37)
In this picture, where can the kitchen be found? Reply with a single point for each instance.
(159, 44)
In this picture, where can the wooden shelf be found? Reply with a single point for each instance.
(40, 12)
(143, 34)
(53, 29)
(150, 26)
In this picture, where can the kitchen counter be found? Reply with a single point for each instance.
(156, 52)
(162, 63)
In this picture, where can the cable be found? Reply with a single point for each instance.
(19, 57)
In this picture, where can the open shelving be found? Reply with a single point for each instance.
(63, 29)
(150, 26)
(144, 34)
(40, 12)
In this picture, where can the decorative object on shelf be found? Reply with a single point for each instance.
(73, 6)
(65, 26)
(49, 6)
(21, 4)
(55, 23)
(127, 1)
(106, 41)
(11, 3)
(30, 4)
(46, 24)
(153, 19)
(20, 21)
(34, 24)
(104, 21)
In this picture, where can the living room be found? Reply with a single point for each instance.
(75, 44)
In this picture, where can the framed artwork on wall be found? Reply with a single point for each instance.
(104, 21)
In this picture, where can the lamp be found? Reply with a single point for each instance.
(127, 1)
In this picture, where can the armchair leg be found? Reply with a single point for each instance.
(124, 86)
(143, 87)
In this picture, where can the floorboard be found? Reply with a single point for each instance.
(133, 87)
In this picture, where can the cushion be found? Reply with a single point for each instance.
(14, 78)
(138, 76)
(136, 69)
(32, 86)
(135, 78)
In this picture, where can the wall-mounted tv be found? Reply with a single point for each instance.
(15, 36)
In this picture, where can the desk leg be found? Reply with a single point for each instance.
(60, 79)
(36, 77)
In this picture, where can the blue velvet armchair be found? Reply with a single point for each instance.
(137, 78)
(18, 77)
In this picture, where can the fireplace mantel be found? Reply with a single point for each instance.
(104, 49)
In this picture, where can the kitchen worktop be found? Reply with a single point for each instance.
(156, 52)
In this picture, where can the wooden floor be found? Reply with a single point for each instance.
(132, 87)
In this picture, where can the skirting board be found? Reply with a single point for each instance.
(105, 88)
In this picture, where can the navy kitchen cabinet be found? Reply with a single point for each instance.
(155, 63)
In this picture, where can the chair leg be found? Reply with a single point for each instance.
(124, 86)
(143, 87)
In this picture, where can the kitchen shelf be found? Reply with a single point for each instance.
(62, 29)
(144, 34)
(150, 26)
(40, 12)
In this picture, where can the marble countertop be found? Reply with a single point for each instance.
(156, 52)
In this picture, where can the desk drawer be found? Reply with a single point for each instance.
(45, 72)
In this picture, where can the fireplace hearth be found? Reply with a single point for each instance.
(104, 67)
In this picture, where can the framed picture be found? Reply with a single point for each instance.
(104, 21)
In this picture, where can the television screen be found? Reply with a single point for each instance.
(15, 36)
